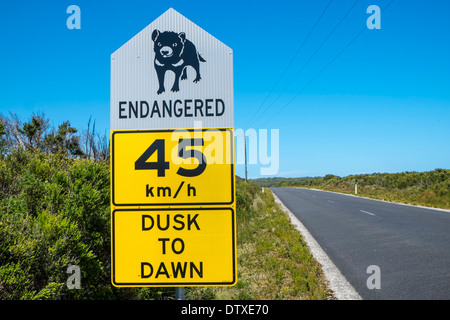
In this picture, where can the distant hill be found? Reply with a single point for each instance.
(275, 182)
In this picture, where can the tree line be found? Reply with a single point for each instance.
(39, 135)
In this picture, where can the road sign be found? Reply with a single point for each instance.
(169, 75)
(172, 158)
(172, 167)
(173, 247)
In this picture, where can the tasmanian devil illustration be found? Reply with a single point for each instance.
(174, 52)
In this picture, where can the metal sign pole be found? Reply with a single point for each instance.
(179, 293)
(245, 156)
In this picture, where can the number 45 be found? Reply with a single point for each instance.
(161, 165)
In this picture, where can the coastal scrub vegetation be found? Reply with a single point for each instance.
(430, 188)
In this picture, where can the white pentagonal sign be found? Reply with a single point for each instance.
(172, 74)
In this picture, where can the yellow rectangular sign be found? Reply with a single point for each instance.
(172, 167)
(173, 247)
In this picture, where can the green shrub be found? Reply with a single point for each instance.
(55, 212)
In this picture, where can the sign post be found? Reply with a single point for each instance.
(173, 212)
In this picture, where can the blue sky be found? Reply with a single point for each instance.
(382, 105)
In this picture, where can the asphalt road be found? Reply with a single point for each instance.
(410, 245)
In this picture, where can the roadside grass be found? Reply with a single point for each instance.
(274, 262)
(411, 195)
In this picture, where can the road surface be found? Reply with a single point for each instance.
(410, 245)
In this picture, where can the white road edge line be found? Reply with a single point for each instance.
(341, 288)
(372, 214)
(330, 201)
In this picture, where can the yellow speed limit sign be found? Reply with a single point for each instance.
(172, 167)
(173, 247)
